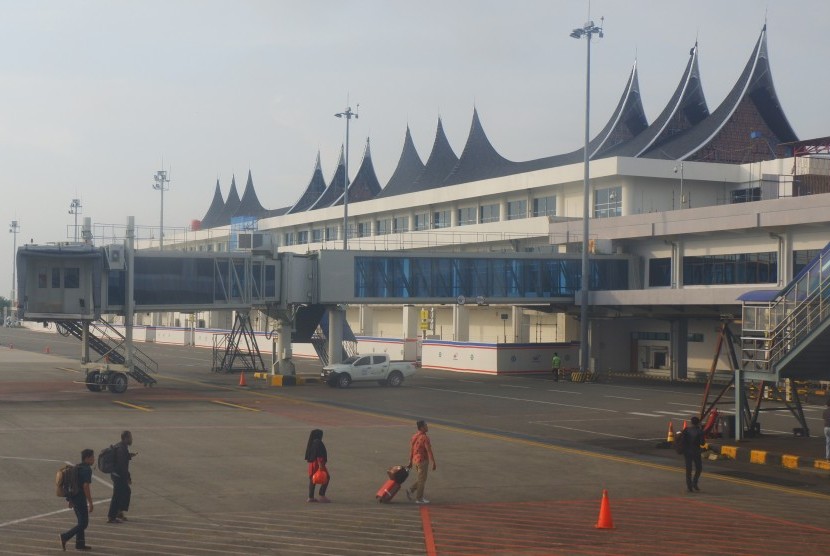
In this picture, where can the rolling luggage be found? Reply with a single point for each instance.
(397, 475)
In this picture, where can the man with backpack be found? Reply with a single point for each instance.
(79, 501)
(121, 480)
(693, 442)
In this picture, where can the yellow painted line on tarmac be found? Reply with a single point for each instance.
(235, 405)
(537, 444)
(132, 406)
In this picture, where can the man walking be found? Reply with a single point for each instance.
(420, 454)
(80, 501)
(693, 442)
(121, 480)
(555, 365)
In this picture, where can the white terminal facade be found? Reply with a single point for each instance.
(706, 205)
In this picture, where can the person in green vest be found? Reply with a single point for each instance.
(555, 364)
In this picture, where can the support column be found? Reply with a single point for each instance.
(85, 343)
(411, 318)
(679, 349)
(335, 347)
(739, 388)
(366, 319)
(520, 329)
(129, 303)
(284, 365)
(460, 323)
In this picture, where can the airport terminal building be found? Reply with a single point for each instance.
(688, 213)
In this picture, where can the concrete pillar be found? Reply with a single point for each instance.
(85, 343)
(366, 320)
(411, 319)
(503, 210)
(454, 215)
(460, 323)
(284, 365)
(521, 325)
(335, 347)
(679, 349)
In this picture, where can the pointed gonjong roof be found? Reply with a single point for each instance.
(406, 173)
(231, 204)
(685, 109)
(365, 185)
(440, 163)
(335, 188)
(479, 160)
(627, 122)
(750, 111)
(316, 186)
(216, 206)
(249, 205)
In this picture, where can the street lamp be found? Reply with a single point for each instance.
(161, 184)
(75, 208)
(14, 228)
(348, 114)
(587, 31)
(680, 168)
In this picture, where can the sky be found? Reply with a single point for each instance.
(96, 96)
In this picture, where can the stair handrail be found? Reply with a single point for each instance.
(110, 333)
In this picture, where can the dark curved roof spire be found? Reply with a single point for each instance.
(216, 206)
(479, 160)
(249, 205)
(316, 186)
(748, 126)
(685, 109)
(406, 173)
(335, 187)
(440, 163)
(231, 204)
(365, 184)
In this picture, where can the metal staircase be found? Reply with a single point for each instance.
(110, 344)
(788, 335)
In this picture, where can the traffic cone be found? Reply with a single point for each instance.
(242, 379)
(670, 435)
(605, 521)
(684, 424)
(47, 350)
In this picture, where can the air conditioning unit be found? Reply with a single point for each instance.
(115, 257)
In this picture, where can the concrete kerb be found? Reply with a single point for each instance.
(764, 457)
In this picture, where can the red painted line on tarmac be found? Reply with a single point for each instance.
(429, 538)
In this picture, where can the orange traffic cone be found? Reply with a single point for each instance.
(47, 350)
(670, 435)
(242, 379)
(605, 521)
(684, 424)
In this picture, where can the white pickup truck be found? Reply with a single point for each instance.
(375, 366)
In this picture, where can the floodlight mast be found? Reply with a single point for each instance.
(348, 114)
(14, 228)
(587, 31)
(161, 184)
(75, 209)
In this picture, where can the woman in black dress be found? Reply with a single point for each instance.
(316, 456)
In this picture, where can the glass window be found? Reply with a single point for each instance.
(42, 281)
(441, 219)
(383, 227)
(401, 224)
(516, 210)
(422, 221)
(72, 278)
(364, 229)
(544, 206)
(803, 258)
(56, 278)
(608, 202)
(489, 213)
(659, 272)
(302, 237)
(331, 233)
(745, 195)
(289, 238)
(317, 235)
(363, 361)
(378, 359)
(744, 268)
(466, 216)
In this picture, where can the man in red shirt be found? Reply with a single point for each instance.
(420, 454)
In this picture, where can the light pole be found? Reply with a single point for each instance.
(161, 184)
(680, 168)
(75, 208)
(348, 114)
(587, 31)
(14, 228)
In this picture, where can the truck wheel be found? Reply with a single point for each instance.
(118, 383)
(343, 380)
(92, 381)
(395, 378)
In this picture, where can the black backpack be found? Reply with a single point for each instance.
(106, 459)
(66, 482)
